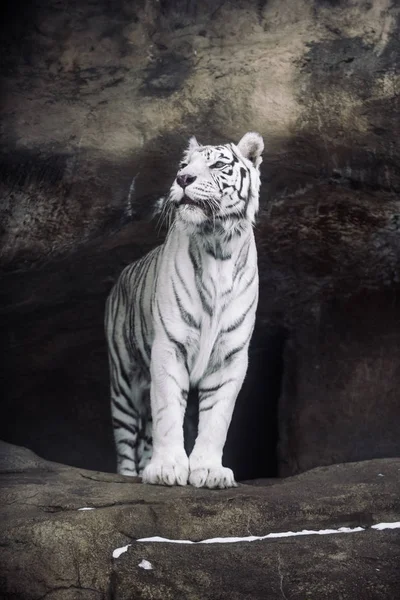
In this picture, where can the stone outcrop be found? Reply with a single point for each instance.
(51, 548)
(98, 102)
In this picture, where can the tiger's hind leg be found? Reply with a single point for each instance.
(145, 448)
(128, 409)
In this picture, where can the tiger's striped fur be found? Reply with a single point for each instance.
(183, 315)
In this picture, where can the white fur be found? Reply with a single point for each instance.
(251, 147)
(192, 337)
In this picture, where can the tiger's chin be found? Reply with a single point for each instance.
(192, 213)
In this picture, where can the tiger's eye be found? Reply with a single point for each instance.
(218, 165)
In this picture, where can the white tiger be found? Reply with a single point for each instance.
(182, 317)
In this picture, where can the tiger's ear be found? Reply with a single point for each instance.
(193, 144)
(251, 146)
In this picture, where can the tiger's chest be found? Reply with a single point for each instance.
(223, 291)
(208, 345)
(205, 300)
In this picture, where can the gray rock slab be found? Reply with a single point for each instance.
(51, 549)
(347, 566)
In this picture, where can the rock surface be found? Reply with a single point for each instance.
(51, 548)
(98, 102)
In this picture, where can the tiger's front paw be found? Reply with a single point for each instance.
(167, 471)
(210, 474)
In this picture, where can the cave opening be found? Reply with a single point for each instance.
(252, 442)
(55, 385)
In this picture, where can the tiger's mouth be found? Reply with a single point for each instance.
(187, 200)
(203, 205)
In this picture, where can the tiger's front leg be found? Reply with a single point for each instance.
(217, 397)
(169, 464)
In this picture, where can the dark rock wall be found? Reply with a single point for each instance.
(98, 100)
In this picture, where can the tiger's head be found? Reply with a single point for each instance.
(218, 184)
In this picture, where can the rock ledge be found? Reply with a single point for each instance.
(53, 549)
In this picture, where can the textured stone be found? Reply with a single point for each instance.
(51, 549)
(315, 567)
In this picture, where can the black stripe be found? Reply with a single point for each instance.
(182, 280)
(124, 410)
(232, 353)
(142, 280)
(241, 261)
(204, 302)
(243, 173)
(196, 265)
(211, 390)
(159, 416)
(248, 283)
(187, 317)
(234, 204)
(200, 287)
(238, 321)
(118, 372)
(122, 456)
(235, 158)
(234, 216)
(117, 424)
(180, 347)
(205, 408)
(113, 341)
(216, 251)
(206, 392)
(128, 442)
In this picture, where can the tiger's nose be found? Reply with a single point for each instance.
(185, 180)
